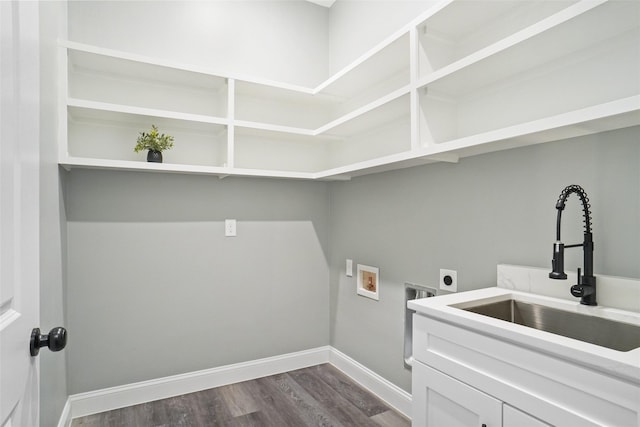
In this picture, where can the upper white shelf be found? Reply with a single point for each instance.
(464, 78)
(461, 28)
(386, 66)
(80, 104)
(116, 80)
(618, 114)
(370, 117)
(555, 37)
(116, 64)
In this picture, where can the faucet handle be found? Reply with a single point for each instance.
(577, 291)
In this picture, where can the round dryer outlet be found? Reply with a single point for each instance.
(448, 280)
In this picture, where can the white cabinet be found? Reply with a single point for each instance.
(511, 417)
(442, 401)
(465, 376)
(462, 79)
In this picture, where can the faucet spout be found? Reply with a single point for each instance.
(585, 289)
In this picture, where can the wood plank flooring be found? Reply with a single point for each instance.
(316, 396)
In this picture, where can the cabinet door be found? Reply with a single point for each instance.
(511, 417)
(442, 401)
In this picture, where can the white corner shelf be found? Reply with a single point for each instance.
(383, 69)
(462, 79)
(141, 166)
(466, 29)
(600, 118)
(277, 151)
(97, 107)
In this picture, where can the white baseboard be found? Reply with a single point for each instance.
(82, 404)
(393, 395)
(146, 391)
(65, 417)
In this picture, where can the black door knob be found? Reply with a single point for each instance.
(56, 340)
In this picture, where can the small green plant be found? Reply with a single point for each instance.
(153, 141)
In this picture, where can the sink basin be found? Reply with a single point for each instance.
(595, 330)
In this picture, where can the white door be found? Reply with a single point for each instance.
(19, 211)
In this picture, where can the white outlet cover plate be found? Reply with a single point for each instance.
(453, 287)
(230, 227)
(349, 268)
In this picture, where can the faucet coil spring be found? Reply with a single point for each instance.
(586, 206)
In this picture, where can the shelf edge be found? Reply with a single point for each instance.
(273, 128)
(70, 163)
(390, 97)
(142, 111)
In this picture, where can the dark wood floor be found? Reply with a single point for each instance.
(316, 396)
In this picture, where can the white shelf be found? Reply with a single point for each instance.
(603, 117)
(464, 78)
(137, 166)
(107, 108)
(269, 105)
(279, 151)
(387, 109)
(556, 37)
(116, 80)
(462, 28)
(613, 115)
(179, 67)
(111, 135)
(572, 69)
(383, 69)
(273, 128)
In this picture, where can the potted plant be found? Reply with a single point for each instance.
(155, 142)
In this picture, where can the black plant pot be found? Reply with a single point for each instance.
(154, 156)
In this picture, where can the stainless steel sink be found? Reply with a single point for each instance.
(595, 330)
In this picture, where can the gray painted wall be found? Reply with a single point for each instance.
(470, 216)
(155, 289)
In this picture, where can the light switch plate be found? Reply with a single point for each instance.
(349, 268)
(230, 227)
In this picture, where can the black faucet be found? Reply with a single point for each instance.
(585, 289)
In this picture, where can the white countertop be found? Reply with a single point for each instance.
(618, 363)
